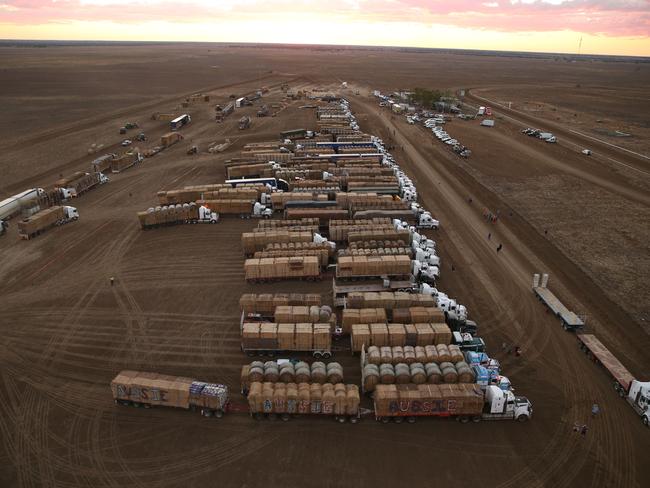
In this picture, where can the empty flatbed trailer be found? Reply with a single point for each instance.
(568, 319)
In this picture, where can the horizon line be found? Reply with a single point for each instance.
(308, 45)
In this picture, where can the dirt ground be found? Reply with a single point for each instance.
(65, 331)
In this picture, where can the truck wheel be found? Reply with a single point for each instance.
(476, 418)
(522, 418)
(218, 414)
(646, 422)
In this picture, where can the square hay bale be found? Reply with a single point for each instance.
(396, 335)
(286, 334)
(425, 335)
(411, 335)
(379, 335)
(360, 336)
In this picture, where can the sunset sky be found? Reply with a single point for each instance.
(605, 26)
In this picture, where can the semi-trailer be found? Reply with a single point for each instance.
(568, 319)
(143, 389)
(187, 213)
(78, 183)
(462, 401)
(635, 392)
(286, 400)
(272, 339)
(262, 270)
(12, 206)
(289, 371)
(45, 219)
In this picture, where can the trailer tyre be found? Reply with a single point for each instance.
(399, 420)
(327, 355)
(317, 355)
(354, 420)
(384, 420)
(476, 418)
(410, 420)
(464, 419)
(218, 414)
(285, 417)
(646, 422)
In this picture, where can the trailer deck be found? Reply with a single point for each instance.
(568, 318)
(590, 343)
(340, 289)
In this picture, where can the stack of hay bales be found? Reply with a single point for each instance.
(399, 335)
(287, 372)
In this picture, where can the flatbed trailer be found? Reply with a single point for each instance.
(635, 392)
(590, 344)
(341, 288)
(568, 319)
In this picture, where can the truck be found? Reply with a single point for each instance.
(44, 219)
(467, 342)
(179, 122)
(223, 112)
(244, 122)
(569, 320)
(166, 215)
(271, 400)
(11, 206)
(263, 111)
(462, 401)
(79, 183)
(143, 389)
(636, 393)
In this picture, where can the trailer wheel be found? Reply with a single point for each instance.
(464, 419)
(218, 414)
(384, 420)
(410, 420)
(354, 420)
(341, 419)
(206, 413)
(317, 355)
(399, 420)
(285, 417)
(327, 355)
(522, 418)
(476, 418)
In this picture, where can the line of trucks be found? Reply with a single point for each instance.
(274, 324)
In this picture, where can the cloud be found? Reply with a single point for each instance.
(624, 18)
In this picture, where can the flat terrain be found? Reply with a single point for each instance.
(65, 331)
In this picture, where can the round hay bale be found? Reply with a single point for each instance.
(432, 354)
(409, 354)
(386, 355)
(443, 353)
(271, 375)
(434, 375)
(318, 365)
(335, 376)
(418, 376)
(325, 314)
(286, 366)
(374, 356)
(334, 365)
(255, 374)
(420, 354)
(270, 364)
(449, 374)
(319, 375)
(314, 314)
(455, 353)
(287, 375)
(257, 364)
(402, 373)
(303, 375)
(301, 364)
(465, 373)
(386, 374)
(327, 387)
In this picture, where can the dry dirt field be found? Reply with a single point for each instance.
(65, 332)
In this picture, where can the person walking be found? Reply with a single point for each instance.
(583, 431)
(489, 235)
(112, 280)
(499, 247)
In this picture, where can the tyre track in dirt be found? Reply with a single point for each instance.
(552, 468)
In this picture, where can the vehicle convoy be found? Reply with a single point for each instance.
(148, 390)
(463, 401)
(568, 319)
(79, 183)
(11, 206)
(44, 219)
(636, 393)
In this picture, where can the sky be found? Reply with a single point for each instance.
(586, 26)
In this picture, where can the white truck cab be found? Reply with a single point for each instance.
(426, 221)
(71, 213)
(427, 257)
(502, 404)
(639, 398)
(260, 210)
(207, 215)
(319, 239)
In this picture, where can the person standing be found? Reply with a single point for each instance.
(595, 410)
